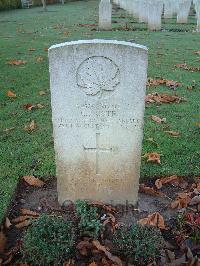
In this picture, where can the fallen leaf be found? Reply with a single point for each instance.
(114, 259)
(169, 83)
(9, 129)
(32, 126)
(41, 93)
(153, 157)
(3, 240)
(173, 133)
(69, 263)
(40, 58)
(20, 219)
(23, 224)
(197, 52)
(186, 67)
(182, 200)
(149, 190)
(7, 223)
(83, 247)
(29, 106)
(39, 105)
(154, 219)
(46, 49)
(162, 98)
(93, 264)
(32, 49)
(158, 119)
(11, 94)
(29, 212)
(16, 62)
(33, 181)
(99, 204)
(165, 180)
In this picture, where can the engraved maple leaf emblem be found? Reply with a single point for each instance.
(98, 75)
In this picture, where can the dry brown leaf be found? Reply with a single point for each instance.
(3, 240)
(186, 67)
(107, 208)
(29, 106)
(41, 93)
(46, 49)
(29, 212)
(7, 223)
(20, 219)
(173, 133)
(161, 81)
(93, 264)
(39, 105)
(11, 94)
(114, 259)
(23, 224)
(182, 200)
(83, 247)
(40, 58)
(153, 157)
(32, 49)
(158, 119)
(162, 98)
(198, 187)
(165, 180)
(154, 219)
(16, 62)
(33, 181)
(32, 126)
(149, 190)
(9, 129)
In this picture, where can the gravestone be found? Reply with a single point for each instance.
(105, 15)
(98, 98)
(183, 11)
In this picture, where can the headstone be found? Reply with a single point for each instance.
(98, 98)
(183, 12)
(168, 9)
(105, 15)
(155, 15)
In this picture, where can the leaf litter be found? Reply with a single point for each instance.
(97, 251)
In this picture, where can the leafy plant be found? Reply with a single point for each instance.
(139, 244)
(48, 240)
(88, 222)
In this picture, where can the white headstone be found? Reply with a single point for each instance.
(105, 15)
(98, 98)
(155, 15)
(183, 12)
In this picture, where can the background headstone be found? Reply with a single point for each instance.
(105, 15)
(98, 98)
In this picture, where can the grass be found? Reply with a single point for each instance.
(24, 153)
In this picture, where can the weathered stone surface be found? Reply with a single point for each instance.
(105, 15)
(98, 91)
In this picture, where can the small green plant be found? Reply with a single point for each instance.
(88, 222)
(139, 244)
(48, 240)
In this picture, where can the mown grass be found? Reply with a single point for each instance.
(24, 153)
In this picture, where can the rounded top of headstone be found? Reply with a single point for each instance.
(98, 41)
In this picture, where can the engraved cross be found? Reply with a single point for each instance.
(97, 150)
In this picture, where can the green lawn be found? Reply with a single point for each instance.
(24, 153)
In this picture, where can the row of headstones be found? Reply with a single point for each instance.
(149, 11)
